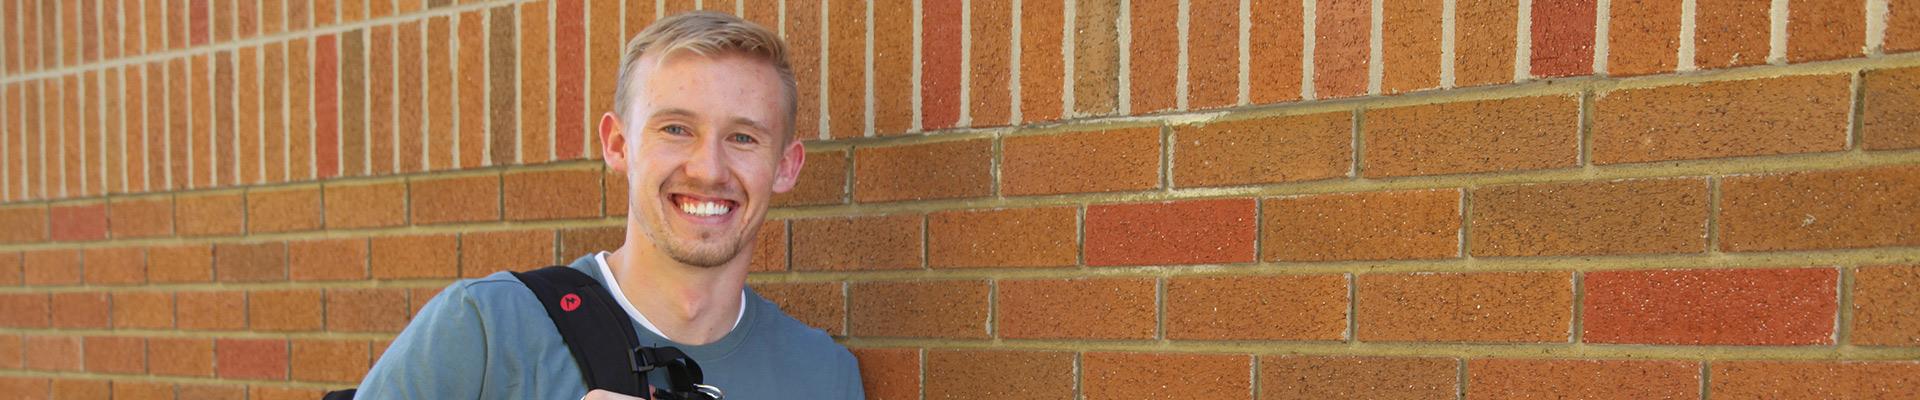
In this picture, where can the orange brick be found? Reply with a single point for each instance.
(1267, 150)
(856, 243)
(821, 305)
(1589, 218)
(1643, 37)
(1181, 232)
(484, 253)
(535, 112)
(1825, 30)
(365, 206)
(770, 249)
(889, 374)
(1096, 60)
(1153, 78)
(1077, 309)
(803, 33)
(209, 214)
(327, 260)
(1838, 209)
(1889, 109)
(1786, 115)
(942, 170)
(1026, 237)
(10, 268)
(823, 180)
(1839, 380)
(81, 389)
(459, 199)
(1098, 161)
(1341, 48)
(1286, 307)
(329, 360)
(1362, 226)
(992, 68)
(1472, 137)
(367, 310)
(284, 210)
(1485, 42)
(893, 66)
(954, 374)
(116, 354)
(115, 265)
(143, 216)
(252, 358)
(212, 392)
(52, 353)
(186, 263)
(142, 390)
(1159, 376)
(73, 310)
(1886, 306)
(27, 388)
(846, 73)
(1213, 52)
(257, 392)
(552, 194)
(1410, 58)
(419, 297)
(951, 309)
(439, 93)
(83, 222)
(1712, 307)
(1563, 38)
(584, 241)
(1466, 307)
(13, 352)
(28, 224)
(180, 356)
(471, 79)
(207, 310)
(143, 310)
(1731, 33)
(51, 267)
(1309, 377)
(618, 193)
(1586, 379)
(425, 256)
(250, 262)
(284, 310)
(1275, 51)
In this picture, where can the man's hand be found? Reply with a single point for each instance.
(606, 395)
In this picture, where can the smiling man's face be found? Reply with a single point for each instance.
(706, 146)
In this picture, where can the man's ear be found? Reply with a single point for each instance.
(613, 142)
(788, 172)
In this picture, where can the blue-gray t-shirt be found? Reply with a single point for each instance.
(489, 338)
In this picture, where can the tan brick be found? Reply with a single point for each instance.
(283, 210)
(821, 305)
(1167, 375)
(456, 199)
(1838, 380)
(143, 310)
(856, 243)
(1178, 232)
(952, 374)
(823, 180)
(327, 260)
(552, 194)
(1026, 237)
(1839, 209)
(209, 214)
(367, 310)
(1122, 308)
(1890, 109)
(1590, 218)
(1472, 137)
(1099, 161)
(186, 263)
(1266, 150)
(1465, 307)
(250, 262)
(484, 253)
(1313, 377)
(1410, 37)
(1362, 226)
(412, 257)
(291, 310)
(351, 206)
(180, 356)
(951, 309)
(210, 310)
(1785, 115)
(1586, 379)
(144, 216)
(1886, 306)
(942, 170)
(1286, 307)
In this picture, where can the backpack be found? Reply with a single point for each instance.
(580, 307)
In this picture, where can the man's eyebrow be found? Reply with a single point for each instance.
(673, 112)
(748, 122)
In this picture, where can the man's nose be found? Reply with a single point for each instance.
(707, 164)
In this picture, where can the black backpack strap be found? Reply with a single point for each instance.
(583, 311)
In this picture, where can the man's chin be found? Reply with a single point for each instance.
(702, 255)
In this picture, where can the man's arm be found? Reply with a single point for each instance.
(442, 354)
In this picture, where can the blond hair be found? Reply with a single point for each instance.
(708, 34)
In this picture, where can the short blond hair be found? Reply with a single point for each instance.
(709, 34)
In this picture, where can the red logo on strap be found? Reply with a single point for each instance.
(569, 302)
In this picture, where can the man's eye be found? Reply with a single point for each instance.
(676, 130)
(742, 138)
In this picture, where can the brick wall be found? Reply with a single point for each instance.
(1006, 198)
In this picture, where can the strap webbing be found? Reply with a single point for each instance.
(584, 312)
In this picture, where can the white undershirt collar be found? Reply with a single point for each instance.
(613, 285)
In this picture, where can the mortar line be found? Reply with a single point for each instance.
(1584, 128)
(1460, 378)
(1843, 321)
(1713, 215)
(1166, 158)
(1603, 21)
(1465, 231)
(1358, 141)
(918, 115)
(53, 129)
(1245, 53)
(867, 103)
(1777, 33)
(1689, 32)
(1411, 349)
(1856, 137)
(1123, 31)
(102, 378)
(965, 117)
(1180, 82)
(1160, 308)
(1577, 325)
(1352, 335)
(1706, 379)
(1376, 47)
(1523, 42)
(1254, 378)
(1079, 376)
(993, 309)
(1449, 41)
(1069, 57)
(519, 90)
(1876, 27)
(922, 387)
(486, 91)
(1308, 18)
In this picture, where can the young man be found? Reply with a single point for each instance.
(703, 128)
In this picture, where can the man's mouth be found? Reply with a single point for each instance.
(703, 207)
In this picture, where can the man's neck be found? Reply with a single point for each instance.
(691, 305)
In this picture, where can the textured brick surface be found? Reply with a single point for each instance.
(1731, 33)
(1903, 27)
(143, 310)
(52, 353)
(132, 217)
(1041, 66)
(180, 356)
(328, 360)
(1465, 307)
(1183, 232)
(1588, 218)
(940, 35)
(1288, 307)
(1019, 374)
(1796, 114)
(459, 199)
(1099, 161)
(112, 265)
(1643, 37)
(803, 35)
(1411, 35)
(28, 224)
(1727, 307)
(952, 309)
(470, 141)
(256, 262)
(78, 222)
(252, 358)
(502, 92)
(1837, 209)
(1156, 376)
(552, 194)
(1309, 377)
(1340, 52)
(1076, 309)
(184, 263)
(1563, 40)
(80, 310)
(284, 210)
(1886, 306)
(924, 171)
(365, 206)
(1153, 74)
(889, 374)
(1265, 150)
(483, 253)
(1096, 64)
(1362, 226)
(1890, 111)
(425, 256)
(819, 305)
(210, 310)
(1815, 380)
(1825, 30)
(291, 310)
(846, 73)
(1470, 137)
(324, 260)
(1212, 80)
(367, 310)
(855, 243)
(823, 180)
(109, 354)
(1028, 237)
(893, 69)
(1497, 378)
(209, 214)
(1274, 49)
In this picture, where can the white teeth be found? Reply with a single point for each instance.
(705, 208)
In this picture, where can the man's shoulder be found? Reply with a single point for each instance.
(789, 334)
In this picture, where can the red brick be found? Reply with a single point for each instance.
(471, 141)
(889, 374)
(990, 32)
(770, 249)
(1096, 60)
(200, 22)
(1837, 380)
(1213, 51)
(1903, 27)
(1839, 209)
(1410, 58)
(458, 199)
(367, 310)
(290, 310)
(115, 265)
(1590, 218)
(503, 105)
(857, 243)
(1267, 150)
(1027, 237)
(81, 310)
(180, 356)
(954, 374)
(552, 194)
(1886, 306)
(252, 358)
(1796, 114)
(411, 129)
(200, 147)
(1466, 307)
(189, 263)
(424, 256)
(821, 305)
(250, 262)
(823, 180)
(1096, 161)
(329, 360)
(940, 26)
(212, 392)
(1643, 37)
(13, 352)
(893, 68)
(954, 169)
(116, 354)
(1341, 48)
(440, 100)
(1167, 375)
(1472, 137)
(949, 309)
(300, 96)
(28, 224)
(1121, 308)
(137, 217)
(1308, 377)
(209, 310)
(142, 390)
(283, 210)
(143, 310)
(51, 267)
(1362, 226)
(1275, 51)
(365, 206)
(10, 265)
(1584, 379)
(24, 310)
(27, 388)
(583, 241)
(1285, 307)
(1152, 78)
(327, 145)
(419, 298)
(52, 353)
(1731, 33)
(1713, 307)
(1889, 110)
(209, 214)
(803, 34)
(79, 222)
(484, 253)
(603, 60)
(1183, 232)
(1563, 33)
(257, 392)
(536, 118)
(1825, 30)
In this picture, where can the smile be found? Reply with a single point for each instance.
(701, 207)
